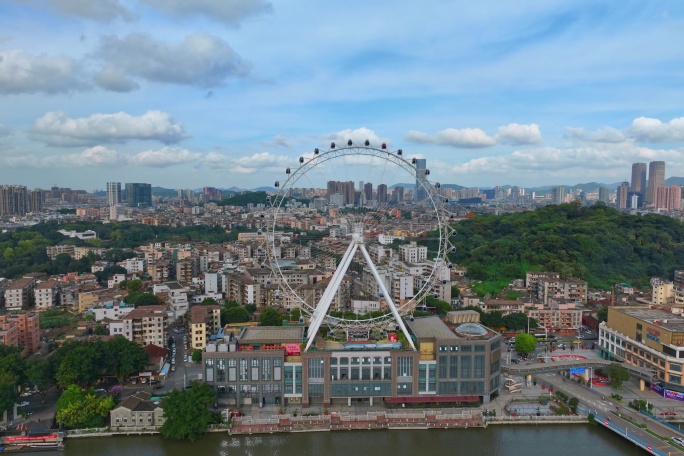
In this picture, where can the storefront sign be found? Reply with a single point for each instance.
(676, 395)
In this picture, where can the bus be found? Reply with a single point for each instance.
(541, 336)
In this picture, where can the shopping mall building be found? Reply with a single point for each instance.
(454, 365)
(648, 338)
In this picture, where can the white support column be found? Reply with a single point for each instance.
(324, 304)
(383, 288)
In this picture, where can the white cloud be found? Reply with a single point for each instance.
(468, 138)
(262, 161)
(97, 156)
(603, 134)
(99, 10)
(519, 134)
(5, 130)
(164, 157)
(358, 137)
(20, 73)
(201, 60)
(653, 130)
(57, 129)
(228, 11)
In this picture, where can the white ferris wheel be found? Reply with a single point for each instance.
(359, 236)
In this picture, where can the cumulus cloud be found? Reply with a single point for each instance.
(58, 129)
(653, 130)
(164, 157)
(99, 10)
(519, 134)
(98, 156)
(21, 73)
(358, 137)
(603, 134)
(201, 60)
(230, 12)
(608, 161)
(262, 161)
(468, 138)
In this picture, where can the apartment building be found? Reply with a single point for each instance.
(21, 330)
(46, 295)
(146, 325)
(204, 321)
(137, 413)
(505, 306)
(54, 250)
(573, 289)
(412, 253)
(174, 295)
(532, 279)
(19, 294)
(112, 311)
(134, 265)
(556, 315)
(159, 270)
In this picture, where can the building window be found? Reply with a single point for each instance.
(316, 367)
(466, 366)
(404, 366)
(442, 366)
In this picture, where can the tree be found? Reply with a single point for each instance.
(617, 375)
(124, 357)
(209, 302)
(131, 285)
(517, 321)
(142, 299)
(234, 315)
(270, 317)
(100, 330)
(81, 366)
(602, 314)
(197, 356)
(78, 409)
(41, 374)
(525, 343)
(573, 403)
(186, 414)
(8, 390)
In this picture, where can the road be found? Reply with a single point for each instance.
(607, 410)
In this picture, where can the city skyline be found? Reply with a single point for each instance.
(209, 93)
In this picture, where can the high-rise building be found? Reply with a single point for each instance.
(604, 196)
(13, 200)
(139, 195)
(368, 190)
(382, 193)
(421, 165)
(36, 199)
(656, 178)
(622, 196)
(669, 198)
(113, 193)
(638, 178)
(398, 194)
(558, 194)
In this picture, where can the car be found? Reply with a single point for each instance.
(154, 382)
(100, 390)
(27, 394)
(678, 440)
(22, 404)
(173, 361)
(159, 386)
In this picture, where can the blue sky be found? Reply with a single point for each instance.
(224, 93)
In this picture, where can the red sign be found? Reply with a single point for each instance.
(653, 332)
(26, 438)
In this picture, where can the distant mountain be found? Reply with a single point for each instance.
(161, 191)
(265, 189)
(674, 181)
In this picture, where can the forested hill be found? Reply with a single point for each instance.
(596, 243)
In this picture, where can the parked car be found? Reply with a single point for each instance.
(158, 386)
(22, 404)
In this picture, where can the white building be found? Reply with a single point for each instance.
(46, 295)
(412, 252)
(134, 265)
(213, 282)
(115, 311)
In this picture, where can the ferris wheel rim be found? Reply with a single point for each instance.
(321, 157)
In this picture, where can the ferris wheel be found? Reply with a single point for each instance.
(371, 244)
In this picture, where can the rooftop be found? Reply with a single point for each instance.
(666, 320)
(428, 327)
(271, 334)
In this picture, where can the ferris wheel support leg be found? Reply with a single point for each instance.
(383, 288)
(329, 294)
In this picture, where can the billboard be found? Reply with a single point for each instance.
(577, 370)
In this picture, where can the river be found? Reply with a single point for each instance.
(582, 440)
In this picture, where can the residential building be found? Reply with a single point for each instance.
(532, 279)
(421, 170)
(174, 295)
(13, 200)
(146, 325)
(556, 315)
(205, 321)
(662, 292)
(572, 289)
(412, 253)
(54, 250)
(19, 294)
(137, 413)
(46, 295)
(213, 282)
(134, 265)
(21, 330)
(505, 306)
(558, 194)
(622, 199)
(113, 311)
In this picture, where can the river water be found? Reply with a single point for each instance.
(574, 440)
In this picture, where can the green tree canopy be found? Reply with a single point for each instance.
(617, 375)
(270, 317)
(41, 374)
(186, 413)
(234, 315)
(77, 409)
(525, 343)
(517, 321)
(124, 357)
